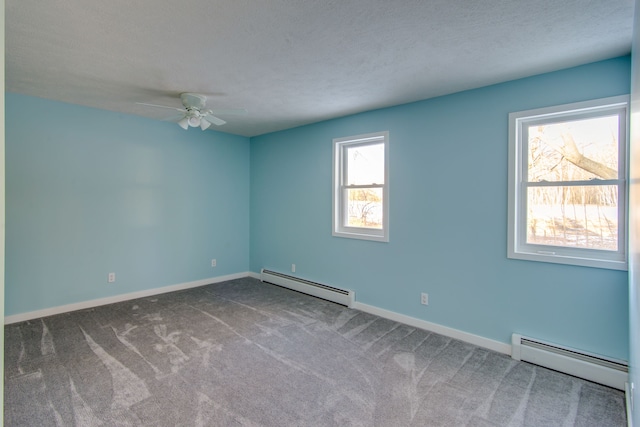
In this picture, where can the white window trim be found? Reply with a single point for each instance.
(339, 215)
(517, 246)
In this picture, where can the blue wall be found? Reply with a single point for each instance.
(90, 192)
(448, 219)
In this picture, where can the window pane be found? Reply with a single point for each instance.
(365, 164)
(364, 207)
(578, 216)
(574, 150)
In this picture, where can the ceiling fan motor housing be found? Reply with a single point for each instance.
(193, 100)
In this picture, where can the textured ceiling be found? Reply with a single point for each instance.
(293, 62)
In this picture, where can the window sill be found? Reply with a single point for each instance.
(611, 264)
(361, 234)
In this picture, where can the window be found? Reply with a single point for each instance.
(361, 187)
(567, 184)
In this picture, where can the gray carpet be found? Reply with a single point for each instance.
(245, 353)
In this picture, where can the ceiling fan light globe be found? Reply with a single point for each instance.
(184, 123)
(194, 121)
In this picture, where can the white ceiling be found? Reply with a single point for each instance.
(293, 62)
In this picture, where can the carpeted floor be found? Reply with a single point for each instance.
(245, 353)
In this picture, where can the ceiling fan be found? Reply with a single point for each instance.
(194, 113)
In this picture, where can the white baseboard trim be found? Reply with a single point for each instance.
(487, 343)
(391, 315)
(118, 298)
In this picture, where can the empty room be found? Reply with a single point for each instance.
(298, 213)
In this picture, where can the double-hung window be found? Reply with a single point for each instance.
(567, 184)
(361, 187)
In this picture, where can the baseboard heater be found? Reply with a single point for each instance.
(609, 372)
(340, 296)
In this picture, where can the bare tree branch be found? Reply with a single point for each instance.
(570, 151)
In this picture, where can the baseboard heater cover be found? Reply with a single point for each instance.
(599, 369)
(340, 296)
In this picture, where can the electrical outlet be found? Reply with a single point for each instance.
(424, 298)
(214, 263)
(293, 268)
(111, 278)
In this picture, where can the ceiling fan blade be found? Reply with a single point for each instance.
(228, 111)
(174, 118)
(161, 106)
(213, 119)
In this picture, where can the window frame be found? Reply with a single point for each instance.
(518, 248)
(340, 164)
